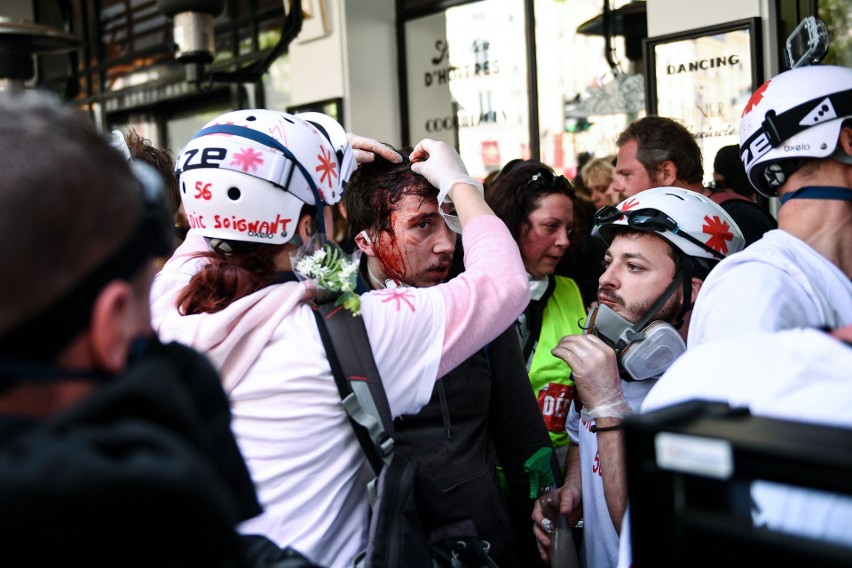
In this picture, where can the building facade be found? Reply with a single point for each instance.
(499, 79)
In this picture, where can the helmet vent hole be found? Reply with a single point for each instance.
(234, 193)
(183, 187)
(251, 118)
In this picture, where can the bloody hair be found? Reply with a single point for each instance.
(227, 278)
(375, 189)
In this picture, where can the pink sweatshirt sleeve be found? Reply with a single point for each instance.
(494, 283)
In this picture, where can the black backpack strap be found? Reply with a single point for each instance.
(351, 358)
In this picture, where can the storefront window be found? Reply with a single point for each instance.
(489, 82)
(467, 82)
(582, 102)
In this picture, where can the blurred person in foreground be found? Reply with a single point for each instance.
(115, 450)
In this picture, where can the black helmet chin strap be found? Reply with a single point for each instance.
(684, 277)
(686, 269)
(635, 331)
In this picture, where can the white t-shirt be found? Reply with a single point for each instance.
(779, 282)
(309, 470)
(801, 375)
(600, 539)
(313, 437)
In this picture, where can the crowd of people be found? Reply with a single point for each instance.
(168, 400)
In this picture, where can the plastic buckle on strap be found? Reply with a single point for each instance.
(772, 134)
(385, 445)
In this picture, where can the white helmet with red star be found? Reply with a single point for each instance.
(337, 136)
(247, 174)
(689, 221)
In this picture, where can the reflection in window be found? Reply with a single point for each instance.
(581, 104)
(488, 82)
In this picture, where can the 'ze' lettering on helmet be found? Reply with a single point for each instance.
(210, 158)
(756, 148)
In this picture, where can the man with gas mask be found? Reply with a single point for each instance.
(114, 449)
(662, 244)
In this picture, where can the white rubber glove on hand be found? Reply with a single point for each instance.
(595, 374)
(365, 149)
(441, 165)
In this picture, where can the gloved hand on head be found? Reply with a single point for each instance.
(365, 149)
(439, 163)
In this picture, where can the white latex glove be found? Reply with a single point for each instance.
(365, 149)
(439, 163)
(595, 374)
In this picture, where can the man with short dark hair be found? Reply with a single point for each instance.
(655, 151)
(662, 244)
(732, 191)
(483, 411)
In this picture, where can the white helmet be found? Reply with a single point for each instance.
(793, 117)
(337, 136)
(247, 174)
(690, 222)
(687, 220)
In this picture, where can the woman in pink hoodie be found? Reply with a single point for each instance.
(255, 184)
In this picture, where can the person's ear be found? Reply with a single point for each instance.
(113, 327)
(696, 286)
(845, 140)
(364, 243)
(305, 227)
(667, 173)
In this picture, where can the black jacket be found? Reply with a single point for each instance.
(145, 471)
(482, 414)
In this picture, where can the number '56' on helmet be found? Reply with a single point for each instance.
(247, 174)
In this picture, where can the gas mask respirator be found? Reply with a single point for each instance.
(644, 351)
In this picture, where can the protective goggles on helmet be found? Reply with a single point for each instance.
(548, 179)
(649, 220)
(644, 350)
